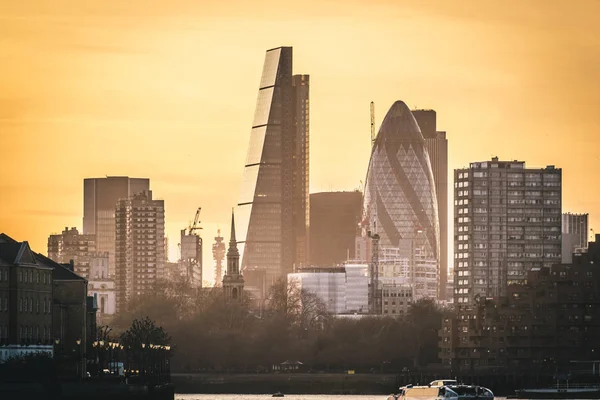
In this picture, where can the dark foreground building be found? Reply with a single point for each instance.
(334, 219)
(26, 298)
(45, 308)
(547, 326)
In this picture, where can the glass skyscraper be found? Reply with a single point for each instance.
(274, 200)
(400, 203)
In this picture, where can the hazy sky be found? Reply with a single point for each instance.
(167, 89)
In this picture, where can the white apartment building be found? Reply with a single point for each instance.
(344, 290)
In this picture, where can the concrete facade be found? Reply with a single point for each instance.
(100, 196)
(140, 251)
(343, 290)
(507, 220)
(69, 246)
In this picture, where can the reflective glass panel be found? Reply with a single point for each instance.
(268, 185)
(242, 219)
(269, 74)
(272, 145)
(248, 184)
(255, 148)
(265, 223)
(263, 107)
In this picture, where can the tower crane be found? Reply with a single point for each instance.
(195, 226)
(372, 124)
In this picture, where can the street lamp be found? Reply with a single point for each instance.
(78, 355)
(143, 364)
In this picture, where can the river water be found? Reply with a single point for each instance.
(287, 396)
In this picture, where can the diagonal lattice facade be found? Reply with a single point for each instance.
(400, 199)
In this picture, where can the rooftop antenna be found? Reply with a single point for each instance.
(372, 124)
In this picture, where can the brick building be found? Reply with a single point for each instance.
(26, 294)
(538, 328)
(45, 307)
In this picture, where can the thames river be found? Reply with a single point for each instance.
(289, 397)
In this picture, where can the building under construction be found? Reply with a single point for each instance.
(190, 261)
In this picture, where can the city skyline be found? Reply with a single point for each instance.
(78, 125)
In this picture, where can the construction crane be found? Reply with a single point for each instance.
(372, 124)
(195, 226)
(374, 275)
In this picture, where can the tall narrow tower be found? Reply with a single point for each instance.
(437, 147)
(218, 250)
(139, 239)
(233, 281)
(273, 207)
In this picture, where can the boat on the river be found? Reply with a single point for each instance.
(278, 394)
(562, 391)
(446, 389)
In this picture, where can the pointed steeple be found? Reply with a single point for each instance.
(232, 238)
(233, 250)
(233, 281)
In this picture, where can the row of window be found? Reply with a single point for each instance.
(520, 193)
(512, 175)
(28, 276)
(29, 332)
(29, 304)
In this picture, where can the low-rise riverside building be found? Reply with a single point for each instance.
(45, 308)
(539, 327)
(343, 290)
(26, 294)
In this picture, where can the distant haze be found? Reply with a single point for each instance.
(167, 90)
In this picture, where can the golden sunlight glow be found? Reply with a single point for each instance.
(167, 89)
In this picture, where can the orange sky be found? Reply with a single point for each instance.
(167, 89)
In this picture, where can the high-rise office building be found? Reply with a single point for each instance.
(140, 251)
(576, 224)
(69, 246)
(100, 196)
(507, 220)
(301, 200)
(274, 203)
(400, 203)
(334, 218)
(437, 147)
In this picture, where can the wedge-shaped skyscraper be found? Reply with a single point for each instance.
(273, 206)
(400, 200)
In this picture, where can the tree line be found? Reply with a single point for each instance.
(209, 333)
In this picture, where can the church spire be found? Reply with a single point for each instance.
(232, 239)
(233, 281)
(233, 250)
